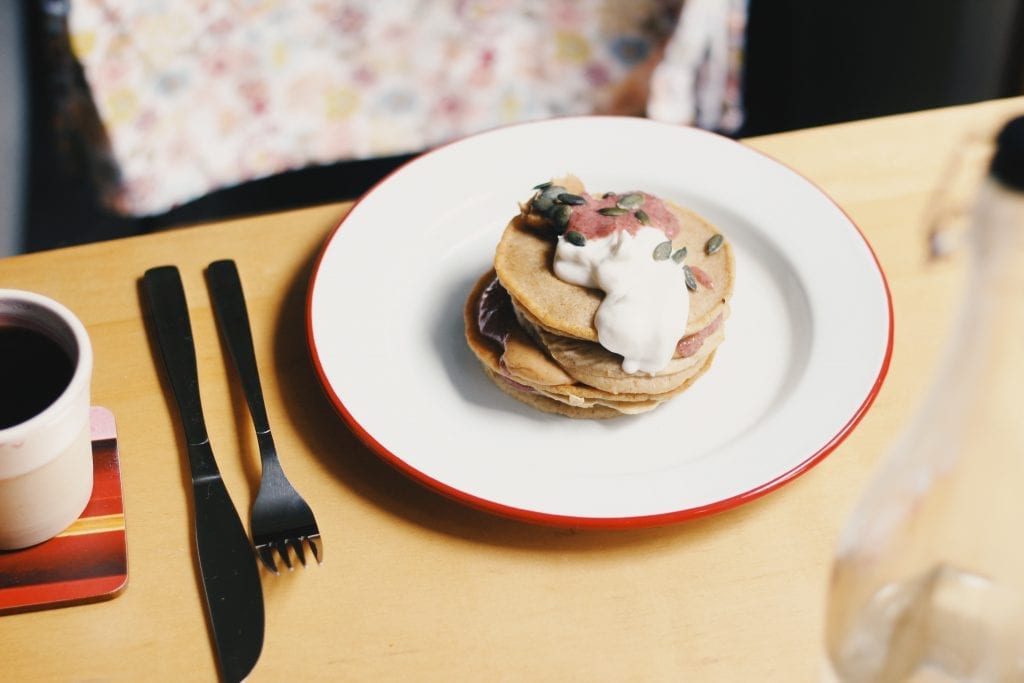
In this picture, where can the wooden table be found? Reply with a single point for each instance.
(416, 587)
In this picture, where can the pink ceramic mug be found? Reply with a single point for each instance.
(45, 450)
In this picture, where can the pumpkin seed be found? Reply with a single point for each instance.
(543, 186)
(630, 201)
(611, 211)
(679, 255)
(713, 244)
(606, 195)
(560, 217)
(552, 191)
(663, 251)
(571, 199)
(642, 216)
(544, 201)
(691, 281)
(542, 204)
(575, 238)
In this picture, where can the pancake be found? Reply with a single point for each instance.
(549, 405)
(526, 380)
(535, 334)
(523, 262)
(590, 363)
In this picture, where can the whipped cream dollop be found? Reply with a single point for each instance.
(646, 303)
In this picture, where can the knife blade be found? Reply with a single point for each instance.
(231, 580)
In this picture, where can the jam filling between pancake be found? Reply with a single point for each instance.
(495, 315)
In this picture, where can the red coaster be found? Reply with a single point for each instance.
(86, 562)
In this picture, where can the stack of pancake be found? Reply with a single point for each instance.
(535, 334)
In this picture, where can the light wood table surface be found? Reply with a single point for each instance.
(417, 587)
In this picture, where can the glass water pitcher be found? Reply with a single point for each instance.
(928, 580)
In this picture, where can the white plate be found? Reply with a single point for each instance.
(807, 346)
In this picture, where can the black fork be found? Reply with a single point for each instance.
(280, 517)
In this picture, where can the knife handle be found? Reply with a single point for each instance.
(229, 304)
(174, 335)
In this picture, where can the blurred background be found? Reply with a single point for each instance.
(803, 63)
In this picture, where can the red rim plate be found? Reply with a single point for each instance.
(589, 522)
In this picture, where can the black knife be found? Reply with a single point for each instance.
(231, 580)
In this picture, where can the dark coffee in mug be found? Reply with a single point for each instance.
(34, 371)
(46, 464)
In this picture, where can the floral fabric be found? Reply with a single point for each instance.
(194, 95)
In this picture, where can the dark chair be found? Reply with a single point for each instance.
(807, 63)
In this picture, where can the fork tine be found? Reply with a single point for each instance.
(297, 544)
(317, 547)
(282, 550)
(266, 553)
